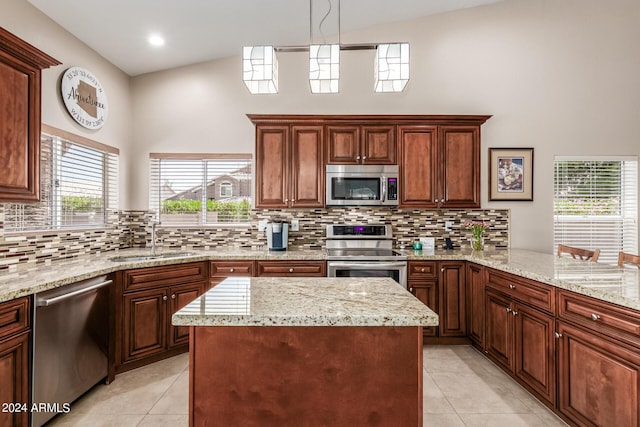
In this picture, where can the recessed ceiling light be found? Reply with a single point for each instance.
(156, 40)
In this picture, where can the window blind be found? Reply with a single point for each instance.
(200, 189)
(595, 204)
(78, 187)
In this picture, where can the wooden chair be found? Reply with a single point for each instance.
(578, 253)
(630, 258)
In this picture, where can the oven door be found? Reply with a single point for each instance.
(395, 270)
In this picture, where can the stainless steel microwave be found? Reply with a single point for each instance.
(362, 185)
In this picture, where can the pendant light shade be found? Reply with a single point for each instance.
(391, 67)
(260, 69)
(324, 68)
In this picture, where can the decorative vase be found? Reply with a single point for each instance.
(477, 243)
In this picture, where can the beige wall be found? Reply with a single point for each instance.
(557, 75)
(28, 23)
(561, 76)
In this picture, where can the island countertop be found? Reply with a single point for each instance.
(256, 301)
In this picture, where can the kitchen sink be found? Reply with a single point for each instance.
(140, 257)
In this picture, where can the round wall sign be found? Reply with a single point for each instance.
(84, 97)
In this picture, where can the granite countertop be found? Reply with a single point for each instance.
(258, 301)
(606, 282)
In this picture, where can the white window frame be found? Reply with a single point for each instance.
(227, 186)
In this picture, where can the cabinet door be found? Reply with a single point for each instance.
(272, 166)
(378, 145)
(535, 351)
(418, 166)
(475, 304)
(14, 378)
(307, 167)
(460, 166)
(179, 296)
(427, 292)
(451, 299)
(343, 145)
(599, 379)
(498, 339)
(144, 323)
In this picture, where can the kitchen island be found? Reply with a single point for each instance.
(305, 351)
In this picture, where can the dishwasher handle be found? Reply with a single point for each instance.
(45, 302)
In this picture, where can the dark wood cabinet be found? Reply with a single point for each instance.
(439, 165)
(289, 166)
(361, 144)
(475, 278)
(441, 287)
(220, 270)
(291, 268)
(15, 372)
(521, 339)
(149, 297)
(20, 81)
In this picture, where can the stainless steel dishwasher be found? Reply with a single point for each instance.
(70, 345)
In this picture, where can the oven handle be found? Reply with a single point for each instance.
(372, 265)
(384, 187)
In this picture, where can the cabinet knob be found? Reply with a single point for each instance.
(286, 200)
(364, 157)
(515, 313)
(558, 335)
(595, 317)
(442, 270)
(436, 200)
(291, 270)
(411, 290)
(422, 270)
(173, 296)
(512, 286)
(508, 310)
(231, 270)
(164, 298)
(357, 157)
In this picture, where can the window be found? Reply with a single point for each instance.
(595, 204)
(78, 185)
(200, 189)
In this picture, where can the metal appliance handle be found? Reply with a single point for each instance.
(54, 300)
(372, 266)
(384, 187)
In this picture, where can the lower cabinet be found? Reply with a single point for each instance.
(475, 278)
(220, 270)
(149, 297)
(441, 287)
(291, 268)
(15, 341)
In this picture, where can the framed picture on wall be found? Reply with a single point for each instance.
(511, 174)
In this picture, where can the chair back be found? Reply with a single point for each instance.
(579, 253)
(628, 258)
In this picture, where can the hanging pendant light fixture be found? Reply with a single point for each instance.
(391, 69)
(324, 59)
(260, 69)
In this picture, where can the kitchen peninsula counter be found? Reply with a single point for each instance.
(302, 351)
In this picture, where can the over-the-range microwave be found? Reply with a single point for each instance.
(362, 185)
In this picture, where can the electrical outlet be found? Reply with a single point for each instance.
(448, 225)
(262, 225)
(295, 225)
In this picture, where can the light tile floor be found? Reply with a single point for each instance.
(461, 388)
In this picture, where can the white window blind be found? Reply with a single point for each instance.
(200, 189)
(78, 186)
(596, 204)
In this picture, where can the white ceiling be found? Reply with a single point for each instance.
(202, 30)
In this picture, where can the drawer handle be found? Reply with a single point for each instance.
(231, 270)
(422, 270)
(512, 286)
(595, 317)
(558, 335)
(291, 270)
(164, 298)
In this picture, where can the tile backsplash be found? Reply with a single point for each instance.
(132, 229)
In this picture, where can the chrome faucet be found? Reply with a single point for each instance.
(153, 237)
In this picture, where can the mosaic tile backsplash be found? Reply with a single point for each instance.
(132, 229)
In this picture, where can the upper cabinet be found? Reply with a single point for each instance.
(289, 166)
(438, 156)
(20, 77)
(361, 144)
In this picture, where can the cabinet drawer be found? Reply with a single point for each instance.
(14, 317)
(533, 293)
(292, 268)
(230, 268)
(156, 277)
(421, 270)
(601, 316)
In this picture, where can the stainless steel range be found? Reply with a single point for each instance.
(362, 250)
